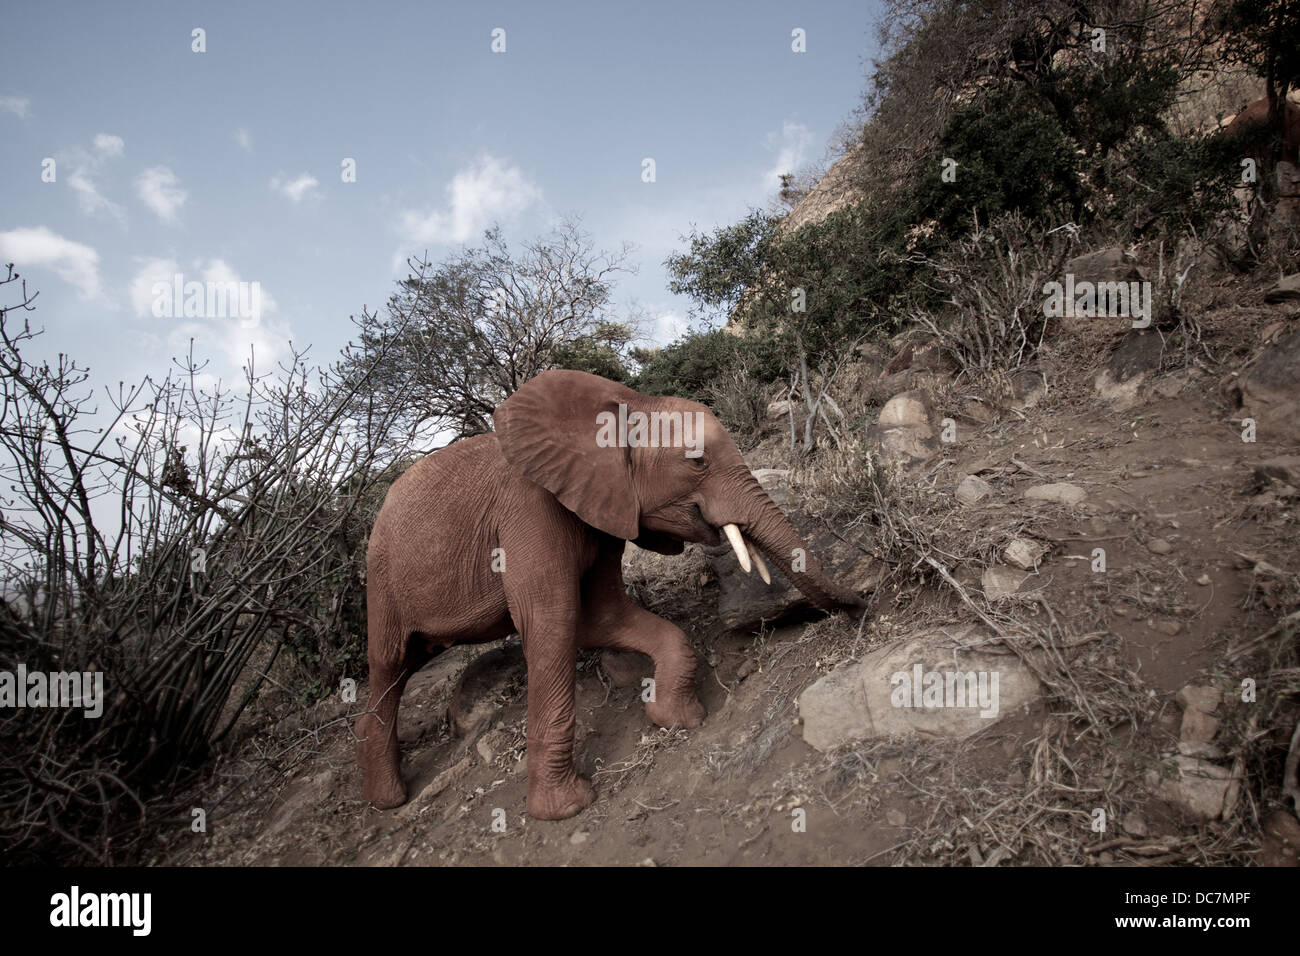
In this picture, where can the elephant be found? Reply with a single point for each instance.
(1255, 116)
(523, 529)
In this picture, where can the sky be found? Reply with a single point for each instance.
(128, 158)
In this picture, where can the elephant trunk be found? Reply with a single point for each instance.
(767, 527)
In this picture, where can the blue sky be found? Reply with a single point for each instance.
(226, 164)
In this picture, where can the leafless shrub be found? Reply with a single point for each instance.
(162, 543)
(995, 316)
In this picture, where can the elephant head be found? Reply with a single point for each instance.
(655, 470)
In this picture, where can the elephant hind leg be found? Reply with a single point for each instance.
(393, 659)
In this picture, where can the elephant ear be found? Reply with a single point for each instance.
(547, 430)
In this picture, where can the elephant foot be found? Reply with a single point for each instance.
(559, 801)
(384, 790)
(685, 712)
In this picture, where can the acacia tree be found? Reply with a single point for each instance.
(461, 336)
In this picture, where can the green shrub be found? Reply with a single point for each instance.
(1011, 157)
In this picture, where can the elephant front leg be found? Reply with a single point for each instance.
(555, 791)
(672, 700)
(611, 619)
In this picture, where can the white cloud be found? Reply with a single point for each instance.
(245, 139)
(223, 337)
(791, 146)
(84, 167)
(140, 289)
(297, 189)
(160, 190)
(17, 105)
(669, 327)
(106, 144)
(477, 196)
(155, 269)
(74, 263)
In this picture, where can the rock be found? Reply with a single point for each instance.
(1204, 699)
(1287, 290)
(1198, 728)
(579, 837)
(900, 362)
(1203, 580)
(1172, 628)
(745, 602)
(1132, 363)
(902, 432)
(873, 697)
(1270, 391)
(490, 677)
(972, 489)
(1197, 786)
(437, 785)
(976, 411)
(1001, 582)
(1281, 840)
(626, 668)
(1134, 824)
(491, 745)
(1206, 751)
(1285, 470)
(895, 818)
(1111, 264)
(1169, 387)
(1028, 387)
(1024, 553)
(1061, 493)
(1159, 546)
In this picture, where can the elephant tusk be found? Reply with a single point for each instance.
(738, 545)
(759, 563)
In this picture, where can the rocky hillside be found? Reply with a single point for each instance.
(1105, 540)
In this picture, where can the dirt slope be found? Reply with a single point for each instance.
(1200, 561)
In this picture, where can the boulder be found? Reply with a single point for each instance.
(478, 694)
(972, 490)
(1135, 360)
(1283, 470)
(1111, 264)
(1204, 699)
(903, 431)
(1001, 582)
(1270, 391)
(745, 602)
(1028, 387)
(1196, 785)
(1024, 553)
(1287, 290)
(1062, 493)
(932, 683)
